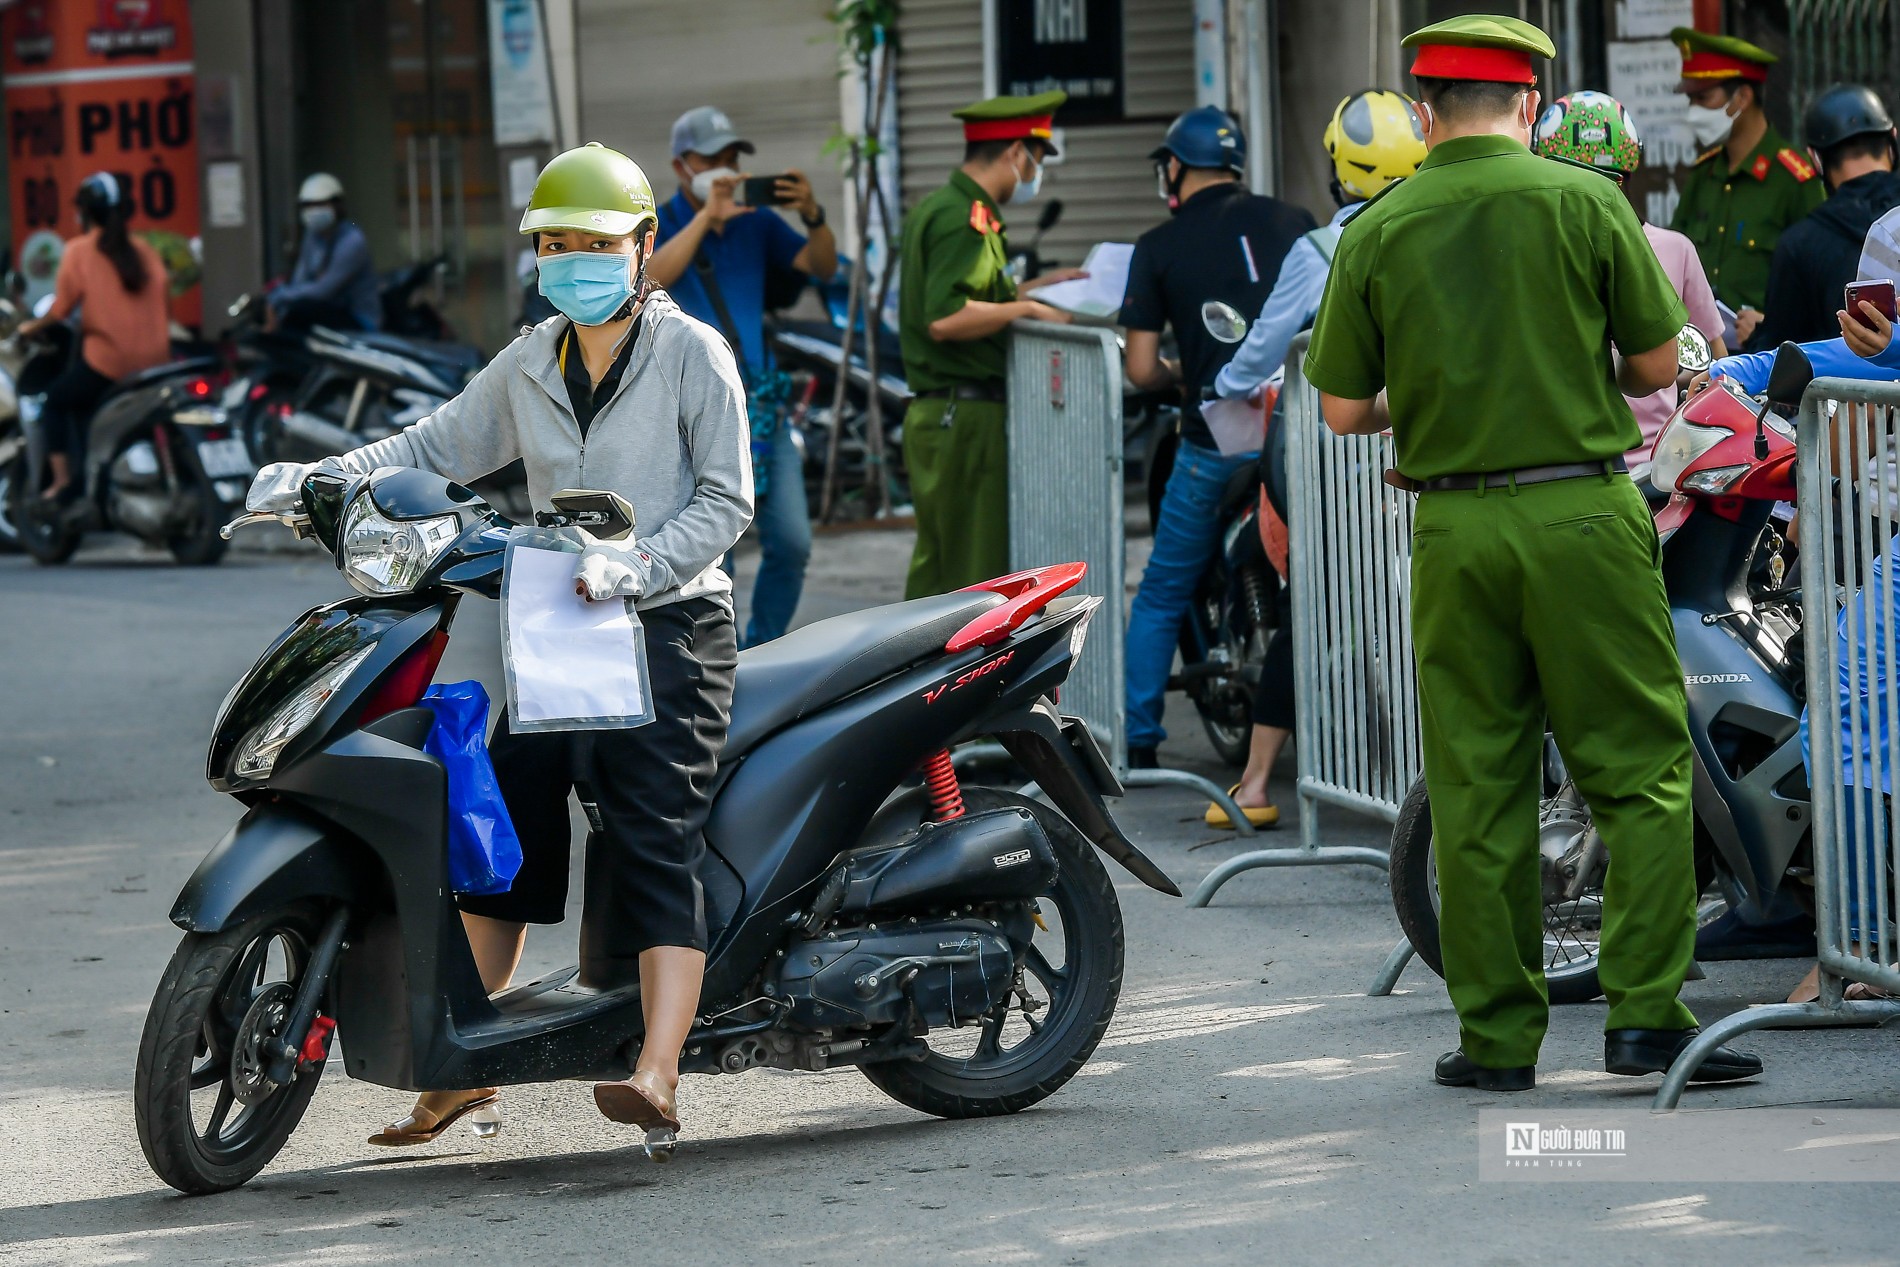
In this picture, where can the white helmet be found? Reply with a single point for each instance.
(320, 187)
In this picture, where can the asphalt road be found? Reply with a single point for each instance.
(1248, 1105)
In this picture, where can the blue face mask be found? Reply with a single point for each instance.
(588, 287)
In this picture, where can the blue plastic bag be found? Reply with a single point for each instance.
(484, 852)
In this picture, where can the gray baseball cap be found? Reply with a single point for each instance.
(706, 131)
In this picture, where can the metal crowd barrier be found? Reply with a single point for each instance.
(1065, 506)
(1850, 432)
(1350, 548)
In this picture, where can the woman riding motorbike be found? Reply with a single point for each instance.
(118, 284)
(622, 392)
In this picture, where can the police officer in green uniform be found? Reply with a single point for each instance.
(1748, 184)
(956, 300)
(1471, 310)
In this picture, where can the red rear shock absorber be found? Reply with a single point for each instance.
(940, 777)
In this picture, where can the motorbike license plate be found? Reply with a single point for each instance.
(225, 458)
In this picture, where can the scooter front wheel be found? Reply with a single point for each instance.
(1571, 929)
(208, 1116)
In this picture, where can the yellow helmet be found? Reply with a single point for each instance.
(1373, 140)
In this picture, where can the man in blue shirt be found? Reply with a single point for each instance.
(334, 281)
(713, 257)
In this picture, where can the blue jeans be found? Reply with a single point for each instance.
(784, 525)
(1185, 539)
(1864, 860)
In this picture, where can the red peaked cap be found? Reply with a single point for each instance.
(1706, 65)
(1461, 61)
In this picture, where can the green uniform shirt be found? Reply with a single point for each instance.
(1483, 294)
(1735, 218)
(954, 251)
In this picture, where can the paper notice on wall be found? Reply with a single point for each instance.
(518, 73)
(522, 172)
(1643, 76)
(1644, 19)
(224, 195)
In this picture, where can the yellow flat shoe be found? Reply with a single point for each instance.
(1263, 818)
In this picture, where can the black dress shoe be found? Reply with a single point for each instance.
(1455, 1069)
(1143, 759)
(1635, 1052)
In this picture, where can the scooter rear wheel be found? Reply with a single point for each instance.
(206, 1119)
(1017, 1057)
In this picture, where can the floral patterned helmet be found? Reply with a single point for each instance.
(1591, 128)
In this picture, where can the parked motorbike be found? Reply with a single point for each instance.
(15, 355)
(1232, 617)
(1727, 460)
(961, 946)
(163, 462)
(302, 396)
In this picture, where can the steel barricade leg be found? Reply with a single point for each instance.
(1767, 1016)
(1182, 778)
(1390, 970)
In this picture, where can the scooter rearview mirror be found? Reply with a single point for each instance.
(1790, 375)
(1693, 352)
(1223, 322)
(1788, 378)
(1051, 212)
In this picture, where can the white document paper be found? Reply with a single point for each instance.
(1729, 339)
(1237, 426)
(1100, 293)
(568, 658)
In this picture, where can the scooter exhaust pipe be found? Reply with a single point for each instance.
(321, 432)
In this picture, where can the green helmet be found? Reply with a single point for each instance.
(1591, 128)
(591, 190)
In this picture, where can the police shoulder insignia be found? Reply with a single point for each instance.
(1797, 166)
(980, 218)
(1759, 168)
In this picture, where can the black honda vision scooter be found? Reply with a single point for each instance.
(961, 946)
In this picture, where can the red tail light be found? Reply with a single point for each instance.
(201, 387)
(258, 391)
(407, 681)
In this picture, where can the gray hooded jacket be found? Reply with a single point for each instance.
(673, 441)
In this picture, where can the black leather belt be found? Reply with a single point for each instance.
(966, 391)
(1508, 479)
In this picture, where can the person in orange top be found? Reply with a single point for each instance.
(117, 282)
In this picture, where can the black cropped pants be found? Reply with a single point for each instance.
(652, 785)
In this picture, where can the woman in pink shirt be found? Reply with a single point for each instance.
(117, 283)
(1594, 129)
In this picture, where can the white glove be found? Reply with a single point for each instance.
(615, 570)
(278, 488)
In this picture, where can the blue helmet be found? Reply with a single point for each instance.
(1205, 137)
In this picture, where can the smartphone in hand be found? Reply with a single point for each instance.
(759, 191)
(1880, 294)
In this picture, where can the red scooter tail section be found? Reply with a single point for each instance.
(1028, 593)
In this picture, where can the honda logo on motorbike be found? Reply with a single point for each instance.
(1714, 679)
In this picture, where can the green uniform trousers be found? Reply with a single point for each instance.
(959, 484)
(1535, 604)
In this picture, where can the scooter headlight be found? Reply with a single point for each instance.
(1678, 448)
(257, 755)
(388, 556)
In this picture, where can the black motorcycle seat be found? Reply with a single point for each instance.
(789, 677)
(160, 373)
(458, 355)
